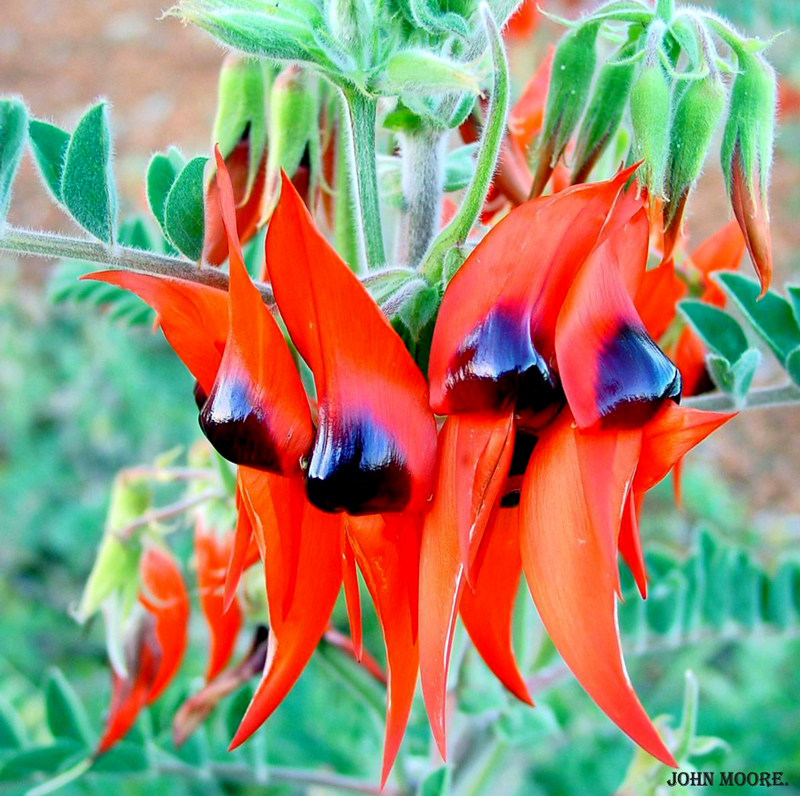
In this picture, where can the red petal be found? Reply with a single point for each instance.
(690, 359)
(572, 581)
(722, 251)
(630, 543)
(294, 636)
(484, 444)
(496, 325)
(523, 21)
(164, 595)
(242, 541)
(212, 556)
(487, 607)
(257, 412)
(193, 317)
(657, 297)
(440, 583)
(669, 436)
(378, 549)
(525, 119)
(611, 370)
(352, 598)
(376, 440)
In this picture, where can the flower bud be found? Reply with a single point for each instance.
(570, 80)
(351, 22)
(695, 120)
(650, 113)
(292, 123)
(604, 113)
(746, 155)
(241, 113)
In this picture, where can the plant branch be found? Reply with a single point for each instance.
(47, 244)
(168, 512)
(229, 772)
(361, 117)
(763, 398)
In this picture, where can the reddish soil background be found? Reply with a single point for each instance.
(160, 78)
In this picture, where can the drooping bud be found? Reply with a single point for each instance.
(570, 80)
(604, 114)
(650, 115)
(746, 155)
(695, 120)
(292, 123)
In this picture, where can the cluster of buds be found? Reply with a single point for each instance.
(668, 71)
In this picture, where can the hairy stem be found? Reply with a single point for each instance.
(46, 244)
(665, 9)
(455, 234)
(361, 114)
(763, 398)
(422, 181)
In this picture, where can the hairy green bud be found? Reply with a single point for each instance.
(570, 80)
(241, 111)
(696, 117)
(351, 22)
(650, 114)
(604, 114)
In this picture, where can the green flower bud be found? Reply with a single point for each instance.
(292, 123)
(650, 114)
(604, 113)
(241, 112)
(351, 22)
(746, 155)
(570, 80)
(693, 125)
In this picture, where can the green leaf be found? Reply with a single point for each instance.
(437, 783)
(459, 167)
(123, 758)
(771, 316)
(422, 72)
(66, 716)
(793, 365)
(87, 184)
(236, 709)
(12, 731)
(161, 174)
(518, 725)
(718, 330)
(46, 759)
(49, 148)
(183, 211)
(734, 379)
(794, 297)
(138, 234)
(13, 133)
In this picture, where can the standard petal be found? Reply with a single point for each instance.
(487, 605)
(612, 372)
(212, 555)
(525, 118)
(257, 412)
(657, 297)
(376, 438)
(722, 251)
(494, 336)
(164, 596)
(389, 572)
(294, 636)
(194, 318)
(573, 583)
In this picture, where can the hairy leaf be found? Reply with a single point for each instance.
(49, 148)
(183, 211)
(13, 133)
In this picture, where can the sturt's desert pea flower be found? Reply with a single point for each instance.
(560, 413)
(154, 647)
(538, 349)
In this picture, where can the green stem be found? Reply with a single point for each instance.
(345, 234)
(361, 114)
(665, 9)
(455, 234)
(46, 244)
(492, 763)
(766, 397)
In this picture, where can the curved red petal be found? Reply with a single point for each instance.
(572, 582)
(630, 543)
(690, 359)
(722, 251)
(669, 436)
(525, 118)
(352, 597)
(611, 370)
(295, 634)
(494, 335)
(164, 596)
(376, 439)
(487, 606)
(441, 580)
(257, 412)
(193, 317)
(212, 555)
(240, 549)
(378, 547)
(657, 297)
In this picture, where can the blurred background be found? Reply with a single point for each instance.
(82, 397)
